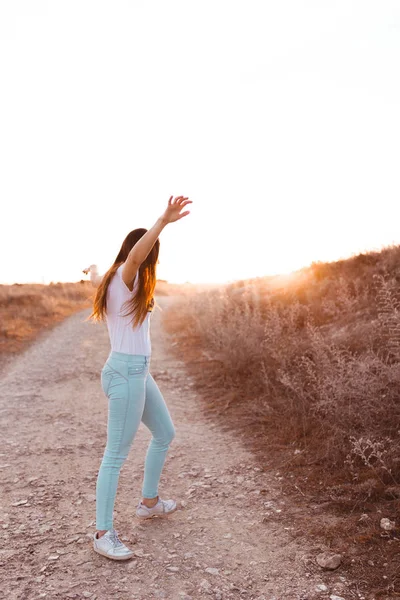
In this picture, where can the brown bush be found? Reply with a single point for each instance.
(314, 363)
(27, 309)
(306, 370)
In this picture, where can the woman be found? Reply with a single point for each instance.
(124, 299)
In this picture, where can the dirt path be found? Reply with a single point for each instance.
(231, 537)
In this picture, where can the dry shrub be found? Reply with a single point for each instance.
(313, 364)
(306, 370)
(26, 309)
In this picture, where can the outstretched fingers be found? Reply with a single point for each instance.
(176, 205)
(178, 199)
(187, 212)
(185, 203)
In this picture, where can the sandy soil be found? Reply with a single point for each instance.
(231, 537)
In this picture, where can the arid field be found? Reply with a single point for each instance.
(305, 370)
(26, 310)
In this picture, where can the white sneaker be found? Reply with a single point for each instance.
(111, 546)
(162, 509)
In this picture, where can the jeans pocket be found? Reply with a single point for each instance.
(136, 370)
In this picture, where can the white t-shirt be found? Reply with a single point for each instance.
(123, 337)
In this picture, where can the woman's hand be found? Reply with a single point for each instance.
(89, 269)
(95, 278)
(174, 208)
(142, 248)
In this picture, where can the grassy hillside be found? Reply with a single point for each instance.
(27, 309)
(314, 360)
(306, 369)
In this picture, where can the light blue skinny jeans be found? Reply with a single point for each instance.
(133, 396)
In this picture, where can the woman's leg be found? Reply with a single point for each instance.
(126, 398)
(157, 418)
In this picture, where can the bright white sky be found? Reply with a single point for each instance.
(279, 118)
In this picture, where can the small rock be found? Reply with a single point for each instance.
(386, 524)
(328, 560)
(53, 557)
(321, 587)
(45, 528)
(334, 597)
(212, 571)
(139, 552)
(205, 585)
(173, 569)
(72, 540)
(19, 503)
(90, 497)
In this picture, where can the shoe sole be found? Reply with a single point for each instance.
(163, 514)
(112, 557)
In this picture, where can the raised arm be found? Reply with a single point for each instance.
(95, 278)
(142, 248)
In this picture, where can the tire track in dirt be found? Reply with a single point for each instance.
(230, 537)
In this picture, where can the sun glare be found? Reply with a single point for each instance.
(285, 141)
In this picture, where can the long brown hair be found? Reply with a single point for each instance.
(143, 300)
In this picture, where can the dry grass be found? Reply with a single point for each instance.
(307, 370)
(165, 288)
(27, 309)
